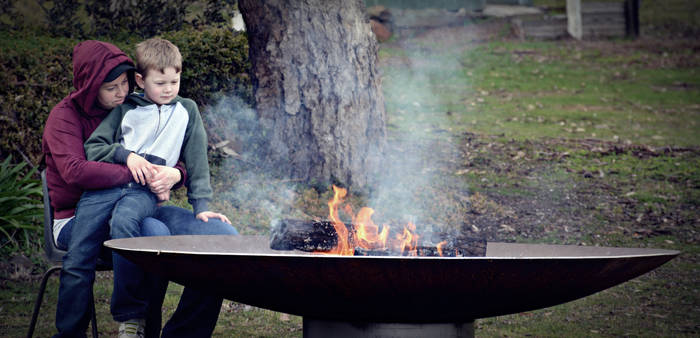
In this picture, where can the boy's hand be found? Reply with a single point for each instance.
(140, 168)
(163, 179)
(206, 215)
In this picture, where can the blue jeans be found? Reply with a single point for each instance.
(197, 311)
(127, 205)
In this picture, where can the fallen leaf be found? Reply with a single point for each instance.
(230, 152)
(461, 172)
(221, 144)
(506, 227)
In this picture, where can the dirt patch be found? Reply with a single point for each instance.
(531, 190)
(18, 267)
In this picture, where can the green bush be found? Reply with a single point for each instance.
(112, 19)
(37, 73)
(19, 201)
(215, 62)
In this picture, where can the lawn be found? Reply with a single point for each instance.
(561, 142)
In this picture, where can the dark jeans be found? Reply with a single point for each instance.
(136, 294)
(197, 311)
(89, 231)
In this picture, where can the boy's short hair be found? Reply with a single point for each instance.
(157, 54)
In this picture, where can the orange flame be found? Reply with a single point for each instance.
(343, 247)
(439, 247)
(365, 233)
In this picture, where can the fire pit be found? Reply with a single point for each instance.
(389, 295)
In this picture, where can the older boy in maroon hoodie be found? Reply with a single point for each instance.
(101, 79)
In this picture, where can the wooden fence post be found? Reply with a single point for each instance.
(632, 18)
(573, 14)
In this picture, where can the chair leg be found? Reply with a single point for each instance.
(40, 298)
(93, 312)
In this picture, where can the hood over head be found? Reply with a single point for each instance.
(92, 61)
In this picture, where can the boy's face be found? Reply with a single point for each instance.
(113, 93)
(160, 88)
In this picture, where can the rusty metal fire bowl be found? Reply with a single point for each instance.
(511, 277)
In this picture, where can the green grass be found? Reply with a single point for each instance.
(235, 320)
(538, 89)
(629, 309)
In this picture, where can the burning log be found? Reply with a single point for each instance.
(321, 236)
(457, 247)
(359, 251)
(466, 248)
(310, 236)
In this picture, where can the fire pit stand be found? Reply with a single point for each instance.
(382, 296)
(343, 329)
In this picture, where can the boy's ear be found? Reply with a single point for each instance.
(139, 80)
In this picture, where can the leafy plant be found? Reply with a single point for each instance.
(112, 19)
(19, 193)
(145, 19)
(63, 17)
(37, 74)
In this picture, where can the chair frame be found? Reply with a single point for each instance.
(55, 256)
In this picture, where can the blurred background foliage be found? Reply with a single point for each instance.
(114, 18)
(37, 39)
(36, 44)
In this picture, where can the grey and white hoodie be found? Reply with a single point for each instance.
(162, 134)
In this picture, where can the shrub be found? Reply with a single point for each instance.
(215, 61)
(37, 73)
(19, 202)
(90, 18)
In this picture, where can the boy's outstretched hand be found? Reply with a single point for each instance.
(140, 168)
(204, 216)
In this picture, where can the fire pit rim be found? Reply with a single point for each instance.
(644, 252)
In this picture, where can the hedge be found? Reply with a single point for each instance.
(37, 72)
(88, 18)
(215, 61)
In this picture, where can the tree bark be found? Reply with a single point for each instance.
(317, 88)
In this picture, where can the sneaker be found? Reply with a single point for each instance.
(133, 328)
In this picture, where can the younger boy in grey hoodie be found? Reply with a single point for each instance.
(154, 128)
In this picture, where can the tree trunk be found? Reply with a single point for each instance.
(317, 88)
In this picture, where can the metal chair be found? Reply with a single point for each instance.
(55, 255)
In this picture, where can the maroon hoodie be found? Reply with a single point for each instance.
(71, 122)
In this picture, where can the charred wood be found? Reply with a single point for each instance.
(321, 236)
(293, 234)
(360, 251)
(458, 247)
